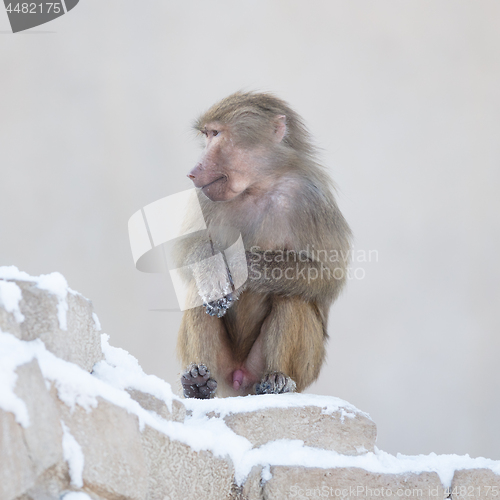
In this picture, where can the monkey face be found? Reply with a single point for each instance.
(224, 170)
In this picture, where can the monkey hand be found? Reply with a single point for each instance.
(219, 307)
(275, 383)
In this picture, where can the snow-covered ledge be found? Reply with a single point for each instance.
(80, 419)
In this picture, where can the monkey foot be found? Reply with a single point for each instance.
(275, 383)
(196, 382)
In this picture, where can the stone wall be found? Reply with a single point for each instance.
(79, 419)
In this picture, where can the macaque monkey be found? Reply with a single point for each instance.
(259, 175)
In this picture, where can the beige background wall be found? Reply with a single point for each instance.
(403, 97)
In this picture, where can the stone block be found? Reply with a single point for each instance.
(29, 454)
(352, 435)
(43, 436)
(51, 484)
(152, 403)
(110, 439)
(178, 472)
(475, 484)
(39, 309)
(350, 483)
(83, 346)
(252, 488)
(80, 343)
(17, 473)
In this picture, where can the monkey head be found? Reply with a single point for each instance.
(239, 149)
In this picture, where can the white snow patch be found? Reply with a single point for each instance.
(56, 284)
(288, 452)
(76, 495)
(266, 473)
(122, 370)
(12, 356)
(10, 296)
(13, 273)
(243, 404)
(73, 455)
(344, 414)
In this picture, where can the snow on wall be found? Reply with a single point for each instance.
(204, 427)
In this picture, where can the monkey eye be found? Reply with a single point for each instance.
(215, 132)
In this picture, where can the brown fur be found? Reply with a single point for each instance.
(259, 175)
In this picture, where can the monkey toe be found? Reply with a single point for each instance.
(275, 383)
(196, 382)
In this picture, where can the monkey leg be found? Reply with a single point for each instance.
(292, 343)
(203, 347)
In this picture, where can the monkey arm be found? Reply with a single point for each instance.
(291, 273)
(202, 265)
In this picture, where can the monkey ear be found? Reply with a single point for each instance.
(279, 128)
